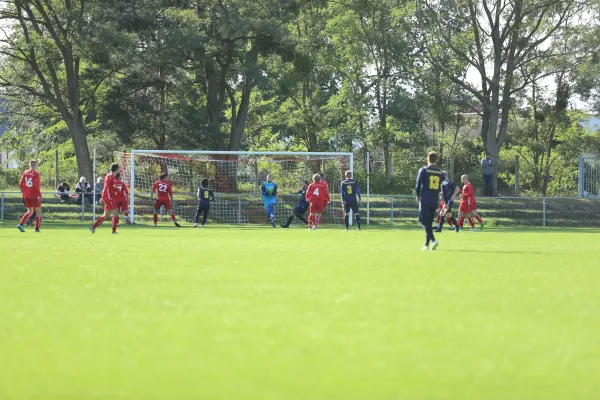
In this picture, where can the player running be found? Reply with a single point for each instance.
(317, 195)
(205, 196)
(468, 206)
(300, 208)
(164, 198)
(122, 198)
(269, 197)
(32, 196)
(428, 185)
(350, 192)
(109, 197)
(449, 191)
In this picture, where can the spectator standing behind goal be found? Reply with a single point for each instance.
(488, 165)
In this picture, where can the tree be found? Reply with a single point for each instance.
(497, 39)
(44, 64)
(374, 39)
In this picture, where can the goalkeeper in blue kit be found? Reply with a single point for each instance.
(269, 197)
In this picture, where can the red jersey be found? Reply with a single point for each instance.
(317, 193)
(30, 184)
(468, 194)
(163, 189)
(110, 191)
(122, 191)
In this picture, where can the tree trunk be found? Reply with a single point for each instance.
(82, 152)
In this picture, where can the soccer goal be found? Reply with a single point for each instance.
(236, 178)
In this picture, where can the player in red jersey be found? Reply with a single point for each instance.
(164, 198)
(32, 196)
(122, 199)
(109, 198)
(324, 182)
(317, 195)
(468, 206)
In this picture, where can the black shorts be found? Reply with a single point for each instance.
(300, 209)
(427, 213)
(203, 208)
(351, 205)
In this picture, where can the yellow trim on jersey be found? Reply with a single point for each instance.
(433, 171)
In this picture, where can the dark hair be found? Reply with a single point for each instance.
(64, 184)
(321, 175)
(432, 157)
(114, 167)
(118, 175)
(306, 183)
(163, 176)
(204, 182)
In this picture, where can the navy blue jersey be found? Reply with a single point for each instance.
(429, 181)
(205, 196)
(302, 203)
(448, 188)
(350, 190)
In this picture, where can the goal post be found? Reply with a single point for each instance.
(236, 177)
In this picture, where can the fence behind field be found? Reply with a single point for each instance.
(379, 210)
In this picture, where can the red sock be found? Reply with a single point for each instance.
(317, 220)
(449, 221)
(25, 218)
(38, 221)
(155, 218)
(311, 220)
(461, 221)
(173, 218)
(115, 221)
(478, 218)
(471, 223)
(98, 222)
(439, 218)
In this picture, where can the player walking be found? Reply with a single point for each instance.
(32, 196)
(318, 197)
(164, 198)
(205, 196)
(109, 197)
(300, 208)
(428, 185)
(269, 197)
(468, 206)
(449, 191)
(122, 198)
(350, 192)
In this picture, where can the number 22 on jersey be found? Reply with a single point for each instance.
(162, 187)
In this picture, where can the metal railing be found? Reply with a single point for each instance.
(377, 209)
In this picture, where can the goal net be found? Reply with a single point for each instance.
(235, 177)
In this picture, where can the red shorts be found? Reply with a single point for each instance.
(162, 202)
(121, 204)
(109, 204)
(32, 203)
(317, 208)
(466, 208)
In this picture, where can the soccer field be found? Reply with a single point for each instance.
(260, 313)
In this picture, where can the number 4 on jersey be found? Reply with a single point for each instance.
(316, 192)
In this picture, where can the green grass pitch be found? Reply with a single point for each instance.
(258, 313)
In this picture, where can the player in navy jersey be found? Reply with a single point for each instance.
(205, 196)
(429, 180)
(350, 198)
(449, 191)
(300, 209)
